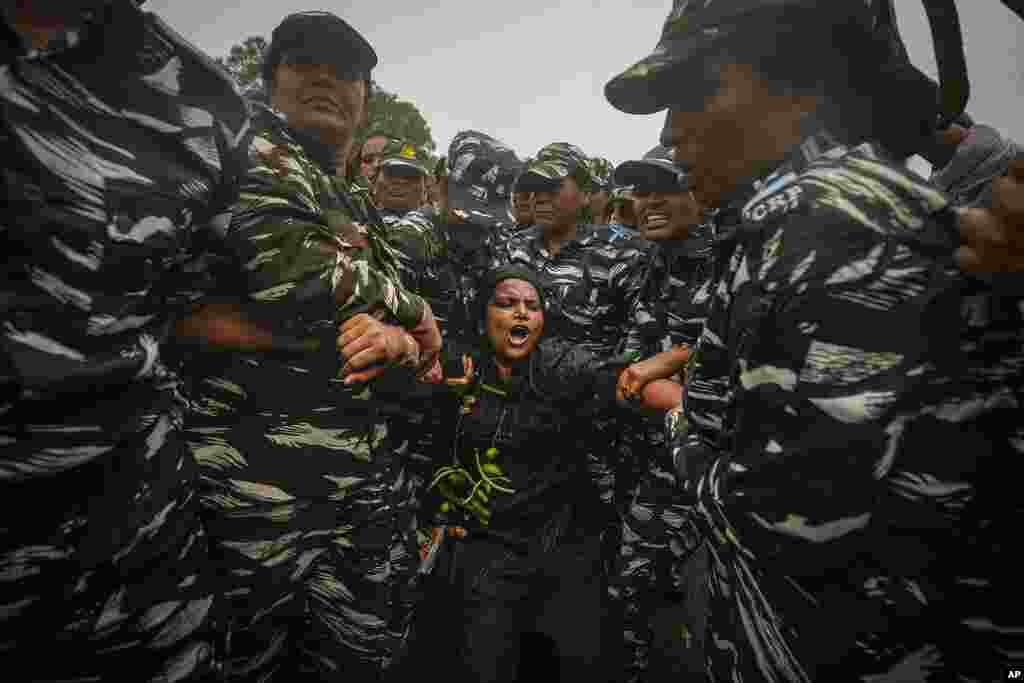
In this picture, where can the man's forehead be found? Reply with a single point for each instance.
(375, 143)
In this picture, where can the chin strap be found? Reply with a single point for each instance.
(1015, 6)
(947, 37)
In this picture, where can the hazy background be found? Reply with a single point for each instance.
(530, 73)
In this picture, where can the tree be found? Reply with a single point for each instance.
(386, 112)
(399, 118)
(245, 61)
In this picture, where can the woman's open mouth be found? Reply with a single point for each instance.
(518, 336)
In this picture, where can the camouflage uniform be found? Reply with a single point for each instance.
(481, 175)
(120, 161)
(421, 260)
(853, 413)
(418, 245)
(308, 508)
(658, 569)
(843, 356)
(423, 269)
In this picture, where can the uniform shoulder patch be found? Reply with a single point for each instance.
(772, 205)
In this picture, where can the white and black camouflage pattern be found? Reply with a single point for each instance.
(119, 165)
(854, 437)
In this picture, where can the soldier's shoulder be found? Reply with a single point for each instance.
(858, 186)
(271, 146)
(855, 207)
(200, 81)
(270, 125)
(417, 220)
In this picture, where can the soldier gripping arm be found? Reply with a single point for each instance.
(632, 272)
(294, 251)
(312, 262)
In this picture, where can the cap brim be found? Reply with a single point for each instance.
(650, 85)
(639, 170)
(401, 163)
(535, 182)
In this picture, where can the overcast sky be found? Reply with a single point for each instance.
(531, 72)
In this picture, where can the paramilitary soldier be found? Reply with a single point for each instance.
(848, 456)
(398, 190)
(659, 578)
(308, 508)
(119, 165)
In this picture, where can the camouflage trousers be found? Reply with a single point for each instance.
(659, 578)
(101, 564)
(614, 450)
(350, 616)
(313, 536)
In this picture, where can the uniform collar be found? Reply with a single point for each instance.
(322, 155)
(393, 213)
(814, 146)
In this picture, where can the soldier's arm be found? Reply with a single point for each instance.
(51, 321)
(631, 281)
(575, 374)
(649, 320)
(293, 257)
(414, 236)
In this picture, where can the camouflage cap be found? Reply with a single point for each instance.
(621, 195)
(323, 36)
(401, 155)
(656, 167)
(692, 29)
(554, 162)
(601, 172)
(481, 173)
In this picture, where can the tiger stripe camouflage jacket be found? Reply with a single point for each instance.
(305, 501)
(119, 165)
(855, 417)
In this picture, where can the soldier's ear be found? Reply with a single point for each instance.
(364, 118)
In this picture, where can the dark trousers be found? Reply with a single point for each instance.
(506, 595)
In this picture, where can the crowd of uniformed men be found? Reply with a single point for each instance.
(236, 350)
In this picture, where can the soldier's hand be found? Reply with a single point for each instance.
(222, 325)
(368, 346)
(659, 396)
(634, 378)
(992, 240)
(435, 375)
(428, 336)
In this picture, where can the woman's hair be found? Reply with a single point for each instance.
(868, 93)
